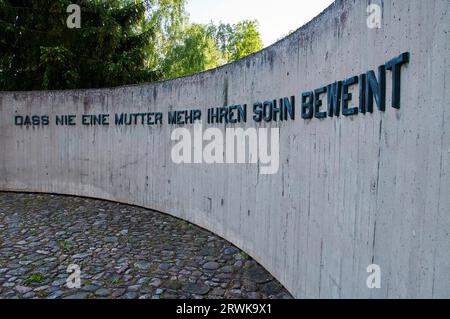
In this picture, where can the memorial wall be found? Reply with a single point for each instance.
(319, 156)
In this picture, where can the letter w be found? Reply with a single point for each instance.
(334, 99)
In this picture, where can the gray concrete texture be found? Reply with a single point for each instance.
(350, 192)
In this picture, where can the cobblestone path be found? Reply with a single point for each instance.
(122, 251)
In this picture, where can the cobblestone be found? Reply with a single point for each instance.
(123, 252)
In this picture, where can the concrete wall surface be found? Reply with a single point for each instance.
(350, 191)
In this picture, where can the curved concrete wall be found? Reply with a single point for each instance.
(350, 191)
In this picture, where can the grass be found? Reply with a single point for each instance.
(65, 246)
(42, 294)
(244, 255)
(113, 281)
(35, 279)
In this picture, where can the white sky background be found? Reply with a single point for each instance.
(276, 17)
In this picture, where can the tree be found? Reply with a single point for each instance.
(239, 40)
(203, 47)
(114, 46)
(245, 40)
(168, 19)
(195, 52)
(120, 42)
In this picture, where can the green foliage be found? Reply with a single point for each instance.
(203, 47)
(56, 63)
(65, 247)
(39, 51)
(168, 19)
(120, 42)
(239, 40)
(197, 51)
(245, 40)
(34, 279)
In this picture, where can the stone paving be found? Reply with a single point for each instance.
(123, 252)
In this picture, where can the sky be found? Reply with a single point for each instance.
(276, 17)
